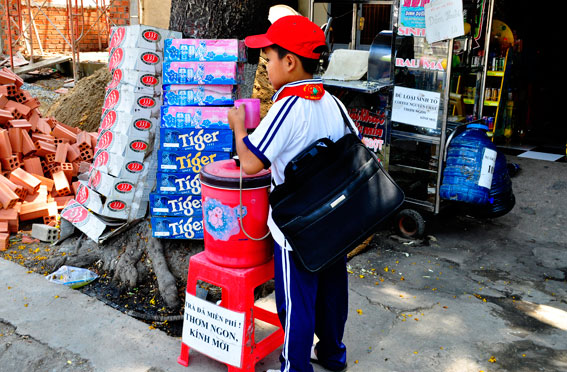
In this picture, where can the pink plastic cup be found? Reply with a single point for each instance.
(252, 109)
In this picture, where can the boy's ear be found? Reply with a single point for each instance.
(290, 61)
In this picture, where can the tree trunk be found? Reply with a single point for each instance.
(221, 19)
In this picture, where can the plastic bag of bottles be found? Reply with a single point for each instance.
(74, 277)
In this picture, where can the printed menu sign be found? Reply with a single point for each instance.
(416, 107)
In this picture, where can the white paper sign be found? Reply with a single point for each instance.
(487, 168)
(213, 330)
(416, 107)
(443, 20)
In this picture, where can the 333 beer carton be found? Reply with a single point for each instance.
(140, 36)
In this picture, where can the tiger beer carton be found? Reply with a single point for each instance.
(177, 227)
(131, 124)
(139, 81)
(194, 117)
(178, 183)
(175, 205)
(80, 217)
(196, 139)
(187, 161)
(140, 36)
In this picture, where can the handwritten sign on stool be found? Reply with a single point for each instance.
(213, 330)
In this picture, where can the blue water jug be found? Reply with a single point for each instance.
(469, 166)
(503, 199)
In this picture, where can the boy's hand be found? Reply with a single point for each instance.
(236, 118)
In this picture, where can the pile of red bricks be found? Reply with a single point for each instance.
(39, 159)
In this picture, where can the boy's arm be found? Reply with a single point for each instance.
(249, 162)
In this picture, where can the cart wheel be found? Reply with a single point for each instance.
(410, 223)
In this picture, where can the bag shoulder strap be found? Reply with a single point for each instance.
(345, 117)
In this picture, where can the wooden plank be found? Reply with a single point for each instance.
(42, 64)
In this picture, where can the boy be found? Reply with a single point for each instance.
(307, 303)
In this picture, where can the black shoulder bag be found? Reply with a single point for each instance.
(334, 196)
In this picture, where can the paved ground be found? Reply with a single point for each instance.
(473, 296)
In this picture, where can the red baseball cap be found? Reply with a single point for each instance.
(295, 33)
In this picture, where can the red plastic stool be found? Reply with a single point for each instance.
(237, 295)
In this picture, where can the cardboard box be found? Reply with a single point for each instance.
(88, 198)
(132, 124)
(135, 59)
(121, 99)
(176, 205)
(119, 166)
(177, 227)
(187, 161)
(194, 117)
(215, 73)
(82, 219)
(204, 50)
(116, 208)
(178, 183)
(130, 148)
(200, 95)
(140, 36)
(196, 139)
(111, 187)
(140, 81)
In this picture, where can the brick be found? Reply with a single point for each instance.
(45, 233)
(61, 153)
(5, 144)
(47, 182)
(42, 126)
(26, 180)
(44, 148)
(33, 165)
(15, 135)
(8, 198)
(62, 186)
(5, 116)
(62, 132)
(87, 155)
(28, 146)
(11, 216)
(10, 163)
(68, 169)
(3, 101)
(4, 227)
(4, 241)
(20, 123)
(84, 141)
(73, 152)
(53, 212)
(32, 211)
(18, 190)
(18, 107)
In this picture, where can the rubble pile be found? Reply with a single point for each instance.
(40, 159)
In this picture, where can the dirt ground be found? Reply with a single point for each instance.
(81, 106)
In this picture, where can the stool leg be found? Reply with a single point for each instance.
(184, 355)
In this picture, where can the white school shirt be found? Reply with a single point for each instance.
(292, 124)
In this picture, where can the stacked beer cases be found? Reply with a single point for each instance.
(120, 178)
(200, 83)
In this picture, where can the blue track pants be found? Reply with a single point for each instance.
(307, 304)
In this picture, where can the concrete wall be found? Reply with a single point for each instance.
(155, 13)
